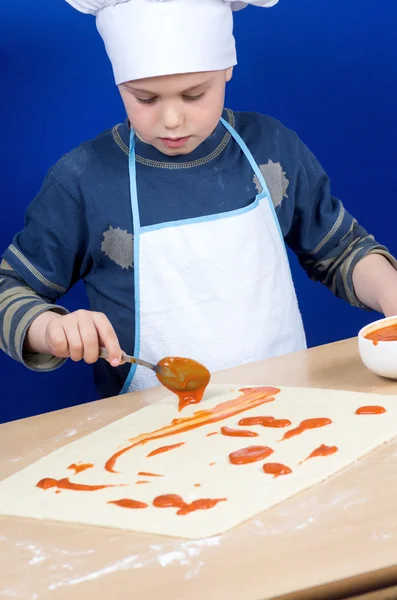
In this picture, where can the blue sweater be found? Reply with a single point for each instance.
(80, 226)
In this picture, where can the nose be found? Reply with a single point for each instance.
(172, 117)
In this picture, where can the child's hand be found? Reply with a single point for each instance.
(77, 335)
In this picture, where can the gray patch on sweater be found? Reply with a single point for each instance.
(118, 245)
(276, 180)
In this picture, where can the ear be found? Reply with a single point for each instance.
(229, 74)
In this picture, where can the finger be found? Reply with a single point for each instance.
(76, 349)
(109, 338)
(89, 338)
(56, 339)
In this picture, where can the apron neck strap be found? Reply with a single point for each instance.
(246, 152)
(133, 188)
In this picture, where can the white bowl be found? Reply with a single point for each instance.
(380, 358)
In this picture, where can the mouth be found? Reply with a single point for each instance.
(175, 142)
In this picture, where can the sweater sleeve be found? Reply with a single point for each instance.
(328, 241)
(43, 261)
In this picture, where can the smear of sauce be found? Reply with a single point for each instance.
(276, 469)
(212, 433)
(250, 455)
(370, 410)
(140, 482)
(383, 334)
(323, 450)
(265, 422)
(80, 467)
(212, 464)
(187, 378)
(174, 501)
(305, 426)
(127, 503)
(165, 449)
(66, 484)
(197, 485)
(250, 398)
(238, 432)
(145, 474)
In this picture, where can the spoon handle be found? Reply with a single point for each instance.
(103, 353)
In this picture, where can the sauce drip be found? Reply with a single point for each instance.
(165, 449)
(212, 433)
(305, 426)
(174, 501)
(238, 432)
(323, 450)
(276, 469)
(250, 455)
(65, 484)
(383, 334)
(202, 504)
(250, 398)
(370, 410)
(127, 503)
(265, 422)
(187, 378)
(140, 482)
(169, 501)
(80, 467)
(144, 474)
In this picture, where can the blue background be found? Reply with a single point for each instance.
(326, 69)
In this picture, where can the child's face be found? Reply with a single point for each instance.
(176, 113)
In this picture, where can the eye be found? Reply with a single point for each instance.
(193, 98)
(147, 100)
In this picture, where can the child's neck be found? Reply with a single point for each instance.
(148, 154)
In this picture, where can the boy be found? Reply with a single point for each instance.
(176, 219)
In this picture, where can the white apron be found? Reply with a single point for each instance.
(217, 289)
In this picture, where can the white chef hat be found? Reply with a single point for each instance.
(148, 38)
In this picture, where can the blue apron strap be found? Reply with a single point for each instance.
(136, 225)
(133, 188)
(257, 171)
(247, 153)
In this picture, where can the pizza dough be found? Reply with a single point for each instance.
(197, 464)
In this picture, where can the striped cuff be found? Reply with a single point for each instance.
(346, 272)
(33, 361)
(20, 305)
(15, 319)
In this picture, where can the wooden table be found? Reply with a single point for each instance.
(338, 540)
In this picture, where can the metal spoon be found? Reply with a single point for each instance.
(125, 358)
(181, 375)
